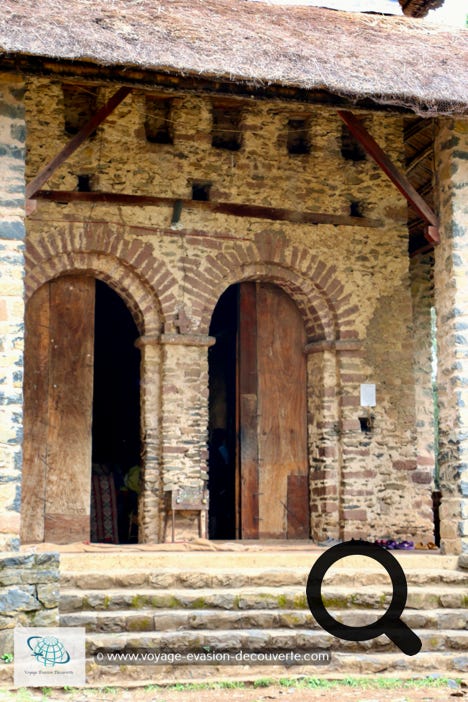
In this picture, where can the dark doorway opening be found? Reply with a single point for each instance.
(222, 423)
(116, 421)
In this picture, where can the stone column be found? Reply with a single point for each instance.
(422, 291)
(185, 416)
(358, 471)
(12, 235)
(451, 298)
(323, 440)
(151, 495)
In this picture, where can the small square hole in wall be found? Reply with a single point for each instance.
(298, 140)
(84, 183)
(366, 424)
(80, 104)
(227, 131)
(351, 149)
(158, 121)
(201, 191)
(355, 208)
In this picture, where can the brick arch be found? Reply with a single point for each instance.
(319, 294)
(128, 266)
(318, 318)
(131, 289)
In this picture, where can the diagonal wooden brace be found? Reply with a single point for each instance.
(97, 119)
(359, 131)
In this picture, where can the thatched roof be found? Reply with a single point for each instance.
(419, 8)
(392, 60)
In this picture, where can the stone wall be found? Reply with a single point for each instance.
(451, 295)
(351, 285)
(29, 593)
(12, 235)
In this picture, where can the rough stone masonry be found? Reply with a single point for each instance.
(12, 238)
(366, 317)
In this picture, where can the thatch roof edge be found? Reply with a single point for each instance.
(390, 60)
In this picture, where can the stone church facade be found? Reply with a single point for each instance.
(189, 273)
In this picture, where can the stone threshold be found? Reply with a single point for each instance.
(221, 555)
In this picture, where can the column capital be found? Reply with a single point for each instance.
(148, 340)
(187, 340)
(175, 340)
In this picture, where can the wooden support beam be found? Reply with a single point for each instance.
(91, 126)
(229, 208)
(419, 157)
(358, 130)
(416, 127)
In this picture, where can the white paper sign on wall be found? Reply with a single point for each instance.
(368, 395)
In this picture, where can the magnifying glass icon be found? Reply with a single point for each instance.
(389, 623)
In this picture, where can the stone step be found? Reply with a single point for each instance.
(255, 600)
(256, 640)
(215, 619)
(238, 557)
(421, 598)
(246, 577)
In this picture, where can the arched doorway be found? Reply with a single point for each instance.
(81, 412)
(258, 469)
(116, 421)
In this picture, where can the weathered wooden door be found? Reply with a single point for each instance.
(58, 393)
(272, 426)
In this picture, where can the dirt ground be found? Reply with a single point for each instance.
(248, 694)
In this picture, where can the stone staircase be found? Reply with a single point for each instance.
(255, 601)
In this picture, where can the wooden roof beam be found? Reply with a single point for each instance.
(230, 208)
(74, 143)
(419, 157)
(417, 126)
(359, 131)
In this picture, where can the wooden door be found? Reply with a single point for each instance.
(274, 498)
(58, 392)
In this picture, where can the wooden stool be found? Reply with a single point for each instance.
(193, 499)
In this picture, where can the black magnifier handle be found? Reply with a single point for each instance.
(403, 637)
